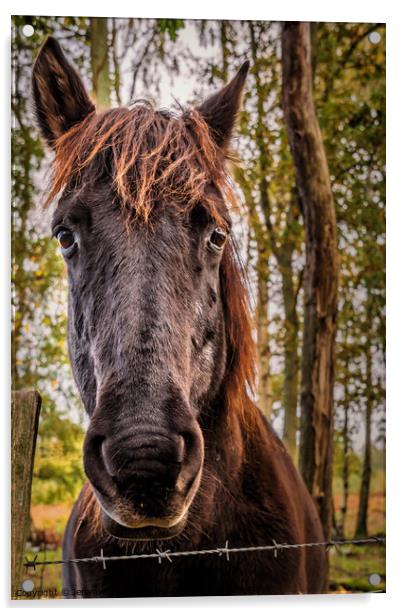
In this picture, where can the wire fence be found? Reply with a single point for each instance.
(167, 555)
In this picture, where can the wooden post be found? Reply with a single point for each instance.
(25, 408)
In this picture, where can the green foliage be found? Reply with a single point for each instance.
(170, 26)
(58, 471)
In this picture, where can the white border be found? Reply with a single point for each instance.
(310, 10)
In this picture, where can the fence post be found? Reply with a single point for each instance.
(25, 409)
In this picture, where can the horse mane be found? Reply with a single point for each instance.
(159, 157)
(153, 156)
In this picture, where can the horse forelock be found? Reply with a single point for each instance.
(152, 156)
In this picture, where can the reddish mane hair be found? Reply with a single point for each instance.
(152, 156)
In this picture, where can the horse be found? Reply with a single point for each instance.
(177, 455)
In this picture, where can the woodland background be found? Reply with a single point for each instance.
(126, 59)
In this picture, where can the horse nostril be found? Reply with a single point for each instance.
(105, 459)
(93, 459)
(188, 441)
(93, 444)
(142, 457)
(192, 459)
(181, 448)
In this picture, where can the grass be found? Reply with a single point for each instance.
(352, 566)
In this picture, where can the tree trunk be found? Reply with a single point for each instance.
(265, 397)
(263, 348)
(225, 51)
(345, 467)
(282, 249)
(321, 269)
(291, 367)
(116, 63)
(264, 354)
(101, 83)
(361, 526)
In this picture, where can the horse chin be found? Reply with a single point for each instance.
(121, 522)
(143, 530)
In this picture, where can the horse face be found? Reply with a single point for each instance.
(148, 349)
(147, 340)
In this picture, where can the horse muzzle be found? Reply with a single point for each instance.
(145, 479)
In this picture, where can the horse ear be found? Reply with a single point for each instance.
(60, 97)
(220, 110)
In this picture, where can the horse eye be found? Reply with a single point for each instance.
(217, 239)
(67, 242)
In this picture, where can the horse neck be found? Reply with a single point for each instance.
(235, 457)
(236, 433)
(235, 440)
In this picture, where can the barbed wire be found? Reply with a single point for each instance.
(226, 550)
